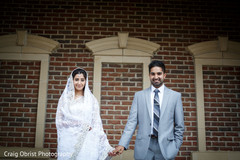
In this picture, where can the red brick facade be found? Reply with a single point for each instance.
(19, 94)
(172, 24)
(221, 88)
(119, 83)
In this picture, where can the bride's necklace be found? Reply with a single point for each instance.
(78, 95)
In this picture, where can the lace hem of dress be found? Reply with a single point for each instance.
(79, 143)
(104, 155)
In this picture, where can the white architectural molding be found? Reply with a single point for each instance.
(221, 53)
(22, 46)
(211, 155)
(120, 49)
(26, 44)
(98, 60)
(221, 49)
(122, 46)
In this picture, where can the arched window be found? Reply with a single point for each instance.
(27, 47)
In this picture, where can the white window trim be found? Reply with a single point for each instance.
(26, 47)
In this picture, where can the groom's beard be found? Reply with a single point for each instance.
(157, 82)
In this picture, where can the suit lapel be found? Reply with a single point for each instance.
(148, 102)
(165, 100)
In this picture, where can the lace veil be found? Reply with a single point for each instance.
(64, 117)
(69, 93)
(65, 100)
(80, 124)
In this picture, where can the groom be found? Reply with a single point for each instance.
(158, 112)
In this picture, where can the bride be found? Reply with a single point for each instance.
(79, 127)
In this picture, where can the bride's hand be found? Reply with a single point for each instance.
(111, 154)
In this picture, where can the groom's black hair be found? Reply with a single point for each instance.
(79, 71)
(156, 63)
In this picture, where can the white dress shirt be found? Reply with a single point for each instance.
(160, 95)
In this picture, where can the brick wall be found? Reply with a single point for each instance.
(180, 77)
(173, 24)
(119, 83)
(222, 112)
(19, 94)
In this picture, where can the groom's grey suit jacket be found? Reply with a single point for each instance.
(171, 125)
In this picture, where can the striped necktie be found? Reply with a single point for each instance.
(156, 113)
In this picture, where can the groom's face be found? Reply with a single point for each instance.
(157, 76)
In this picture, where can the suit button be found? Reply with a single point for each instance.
(149, 135)
(150, 124)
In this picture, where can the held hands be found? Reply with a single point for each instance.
(118, 150)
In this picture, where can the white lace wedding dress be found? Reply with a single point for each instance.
(79, 127)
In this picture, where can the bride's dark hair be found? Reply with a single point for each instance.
(79, 71)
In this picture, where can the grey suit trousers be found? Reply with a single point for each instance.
(154, 152)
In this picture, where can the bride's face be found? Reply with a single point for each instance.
(79, 82)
